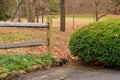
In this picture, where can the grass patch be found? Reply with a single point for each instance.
(10, 37)
(6, 36)
(16, 62)
(76, 16)
(80, 16)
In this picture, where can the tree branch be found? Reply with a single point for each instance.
(17, 10)
(102, 16)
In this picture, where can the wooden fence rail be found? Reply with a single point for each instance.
(32, 43)
(21, 44)
(23, 25)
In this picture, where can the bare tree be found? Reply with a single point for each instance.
(99, 8)
(17, 11)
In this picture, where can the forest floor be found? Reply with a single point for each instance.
(59, 39)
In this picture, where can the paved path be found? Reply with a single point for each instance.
(72, 73)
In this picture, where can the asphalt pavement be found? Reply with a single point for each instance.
(73, 72)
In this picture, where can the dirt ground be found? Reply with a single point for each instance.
(59, 39)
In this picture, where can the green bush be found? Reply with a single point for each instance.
(98, 42)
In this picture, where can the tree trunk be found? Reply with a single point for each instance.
(31, 10)
(19, 11)
(38, 11)
(43, 14)
(62, 23)
(96, 16)
(43, 10)
(96, 10)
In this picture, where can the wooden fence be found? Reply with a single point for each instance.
(47, 25)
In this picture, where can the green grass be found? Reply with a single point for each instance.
(6, 36)
(85, 16)
(16, 62)
(10, 37)
(80, 16)
(76, 16)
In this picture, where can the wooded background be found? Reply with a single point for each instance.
(9, 9)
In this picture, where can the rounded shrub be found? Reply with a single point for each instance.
(98, 42)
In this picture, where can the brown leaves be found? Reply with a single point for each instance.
(59, 39)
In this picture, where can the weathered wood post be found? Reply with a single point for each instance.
(49, 35)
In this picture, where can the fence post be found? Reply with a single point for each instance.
(49, 35)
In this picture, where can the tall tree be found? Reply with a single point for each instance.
(31, 5)
(62, 15)
(38, 11)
